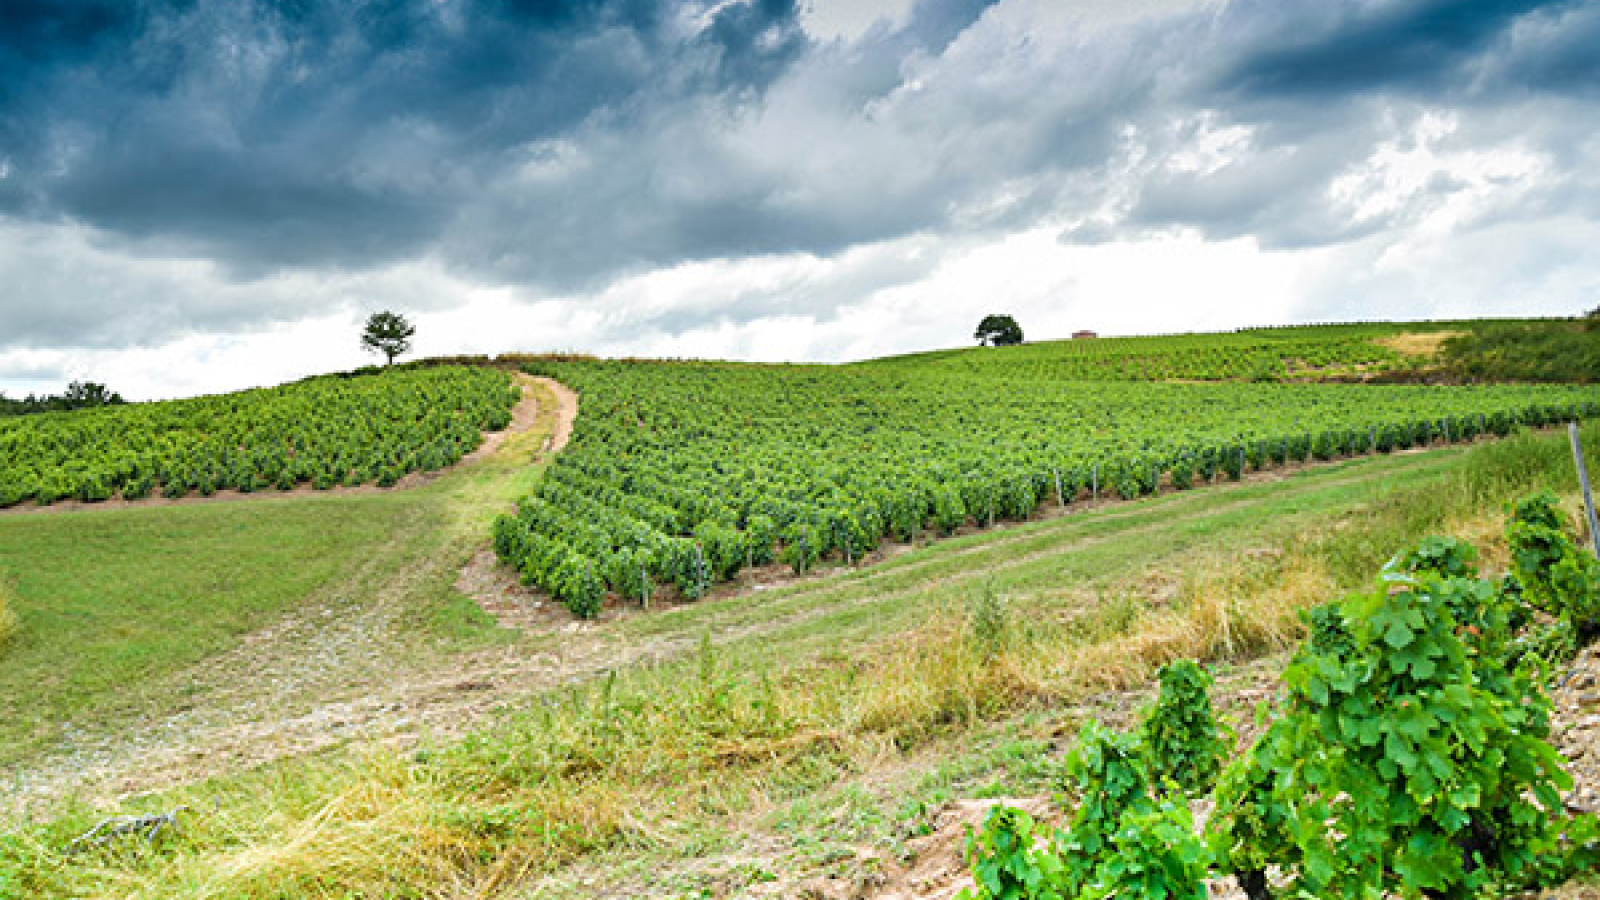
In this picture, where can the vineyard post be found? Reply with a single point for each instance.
(1060, 500)
(1094, 482)
(1583, 479)
(1372, 440)
(644, 584)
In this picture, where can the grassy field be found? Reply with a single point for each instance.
(118, 610)
(782, 728)
(793, 715)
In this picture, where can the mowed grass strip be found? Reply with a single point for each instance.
(112, 601)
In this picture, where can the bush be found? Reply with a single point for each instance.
(1155, 856)
(1409, 762)
(1108, 777)
(1183, 743)
(1007, 864)
(1552, 573)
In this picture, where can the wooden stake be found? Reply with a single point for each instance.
(1583, 479)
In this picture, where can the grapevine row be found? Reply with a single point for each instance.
(327, 432)
(682, 474)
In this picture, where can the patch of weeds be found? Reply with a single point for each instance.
(1112, 617)
(988, 620)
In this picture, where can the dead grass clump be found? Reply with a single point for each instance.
(1418, 344)
(1227, 608)
(942, 675)
(383, 825)
(8, 615)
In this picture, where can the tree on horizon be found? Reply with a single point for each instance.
(998, 331)
(388, 333)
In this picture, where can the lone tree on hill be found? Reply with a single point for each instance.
(998, 331)
(387, 333)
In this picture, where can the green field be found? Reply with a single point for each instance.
(326, 432)
(768, 710)
(681, 474)
(782, 727)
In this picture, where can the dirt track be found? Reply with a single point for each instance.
(323, 676)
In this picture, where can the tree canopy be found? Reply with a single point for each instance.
(388, 333)
(78, 395)
(998, 331)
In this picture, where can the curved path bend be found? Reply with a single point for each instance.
(523, 417)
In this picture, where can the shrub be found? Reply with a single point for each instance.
(1108, 777)
(1155, 855)
(1183, 743)
(1007, 864)
(1413, 764)
(1553, 574)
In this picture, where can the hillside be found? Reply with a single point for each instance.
(757, 705)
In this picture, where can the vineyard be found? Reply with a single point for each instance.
(1304, 353)
(1409, 755)
(681, 474)
(325, 432)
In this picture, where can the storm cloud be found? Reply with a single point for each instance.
(181, 168)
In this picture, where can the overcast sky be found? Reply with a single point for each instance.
(198, 196)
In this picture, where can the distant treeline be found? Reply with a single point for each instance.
(1562, 350)
(78, 395)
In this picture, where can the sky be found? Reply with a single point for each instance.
(202, 196)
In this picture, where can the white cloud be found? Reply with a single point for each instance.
(1078, 164)
(847, 20)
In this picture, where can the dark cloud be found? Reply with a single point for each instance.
(1552, 51)
(272, 135)
(557, 147)
(1340, 48)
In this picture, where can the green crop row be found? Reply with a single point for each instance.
(681, 474)
(328, 431)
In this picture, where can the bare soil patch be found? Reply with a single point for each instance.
(566, 411)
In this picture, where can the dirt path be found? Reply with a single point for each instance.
(326, 674)
(566, 411)
(523, 417)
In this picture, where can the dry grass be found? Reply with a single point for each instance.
(1227, 608)
(652, 757)
(630, 759)
(8, 616)
(1418, 344)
